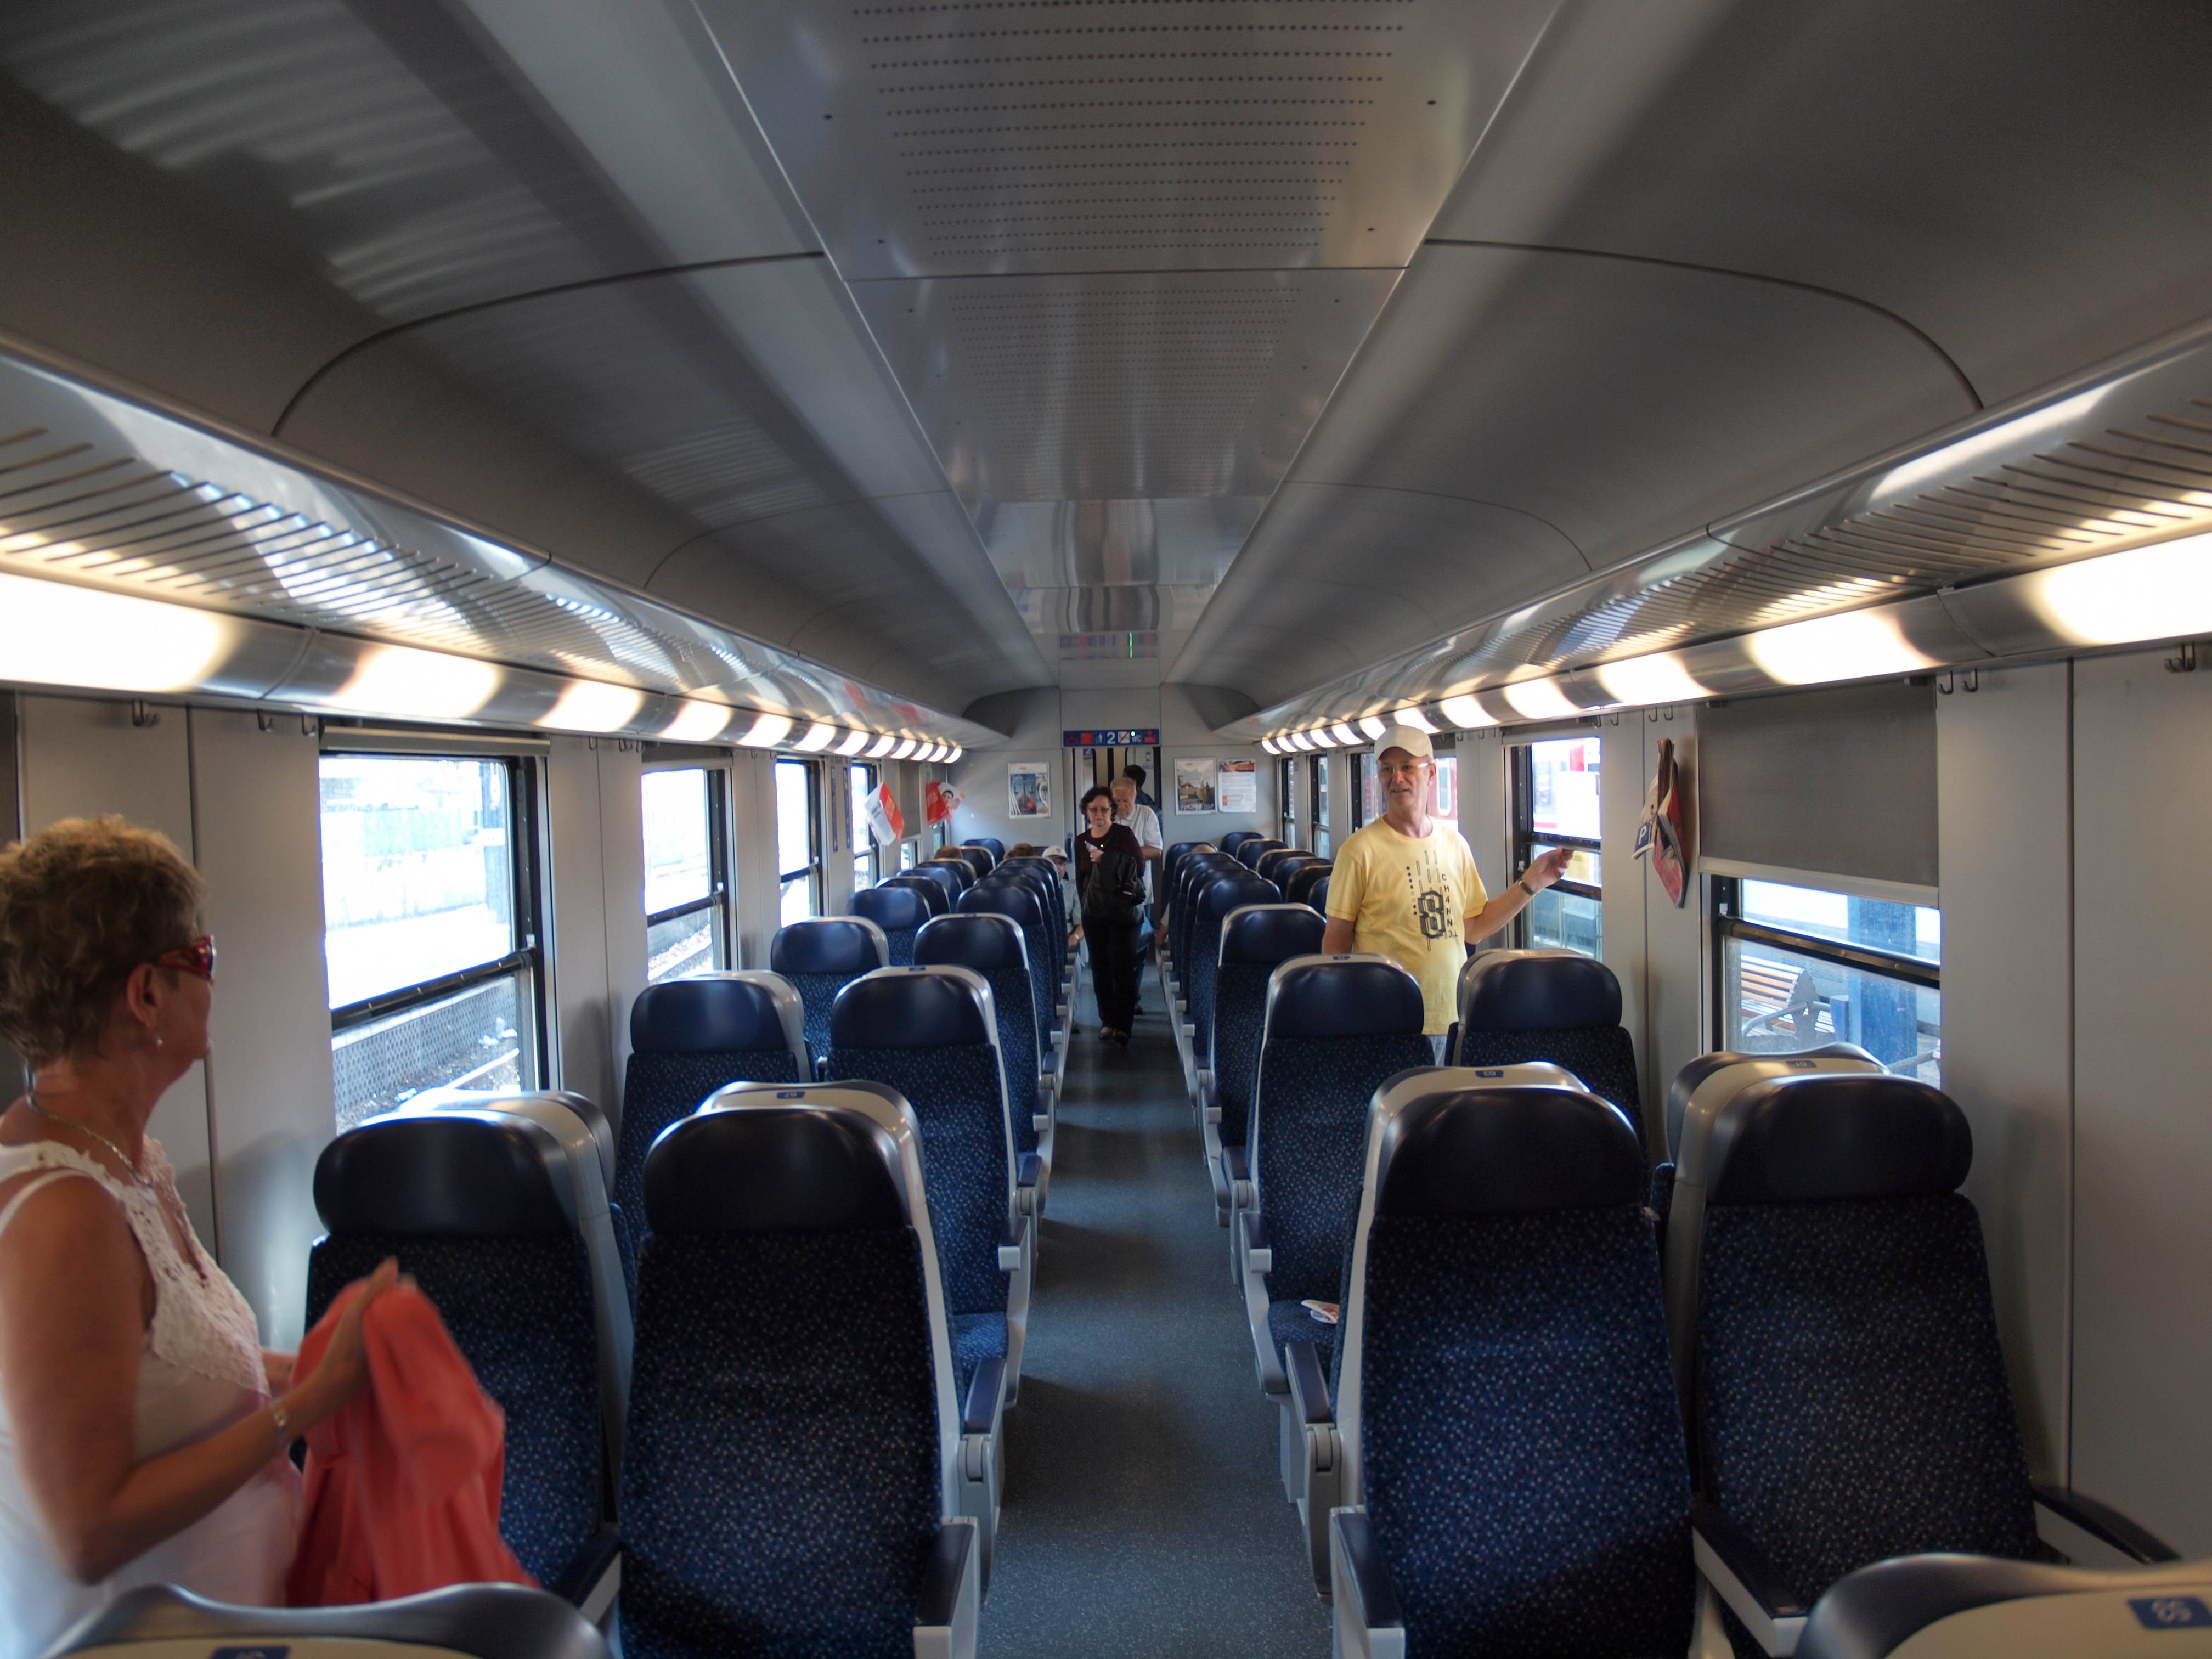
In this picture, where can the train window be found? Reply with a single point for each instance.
(687, 884)
(1319, 841)
(1286, 797)
(1447, 802)
(867, 857)
(1798, 967)
(1555, 803)
(798, 838)
(1367, 804)
(910, 852)
(430, 907)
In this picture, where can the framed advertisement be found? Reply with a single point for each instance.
(1195, 785)
(1238, 790)
(1029, 789)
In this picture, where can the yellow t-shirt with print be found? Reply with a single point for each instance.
(1410, 900)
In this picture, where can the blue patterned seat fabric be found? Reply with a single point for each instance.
(659, 1089)
(1852, 1399)
(1521, 1446)
(818, 993)
(1312, 1152)
(780, 1481)
(1219, 897)
(954, 1091)
(1240, 1011)
(519, 1309)
(1012, 998)
(1602, 1056)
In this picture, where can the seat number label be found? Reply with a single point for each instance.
(2169, 1612)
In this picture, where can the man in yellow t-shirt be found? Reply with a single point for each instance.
(1405, 887)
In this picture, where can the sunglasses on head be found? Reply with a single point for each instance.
(196, 958)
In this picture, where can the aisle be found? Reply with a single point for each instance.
(1143, 1515)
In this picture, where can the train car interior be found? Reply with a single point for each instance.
(624, 538)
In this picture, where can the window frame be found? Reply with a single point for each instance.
(862, 831)
(816, 869)
(529, 872)
(720, 890)
(1520, 772)
(1286, 799)
(1319, 830)
(1725, 921)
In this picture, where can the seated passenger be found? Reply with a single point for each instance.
(142, 1428)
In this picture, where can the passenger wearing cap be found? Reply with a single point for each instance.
(1405, 887)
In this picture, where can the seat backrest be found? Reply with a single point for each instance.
(687, 1038)
(1502, 1239)
(1283, 869)
(1300, 888)
(1041, 878)
(792, 1247)
(479, 1206)
(1221, 895)
(992, 945)
(998, 847)
(953, 875)
(1247, 854)
(1336, 1028)
(464, 1621)
(1269, 862)
(821, 957)
(1236, 838)
(1197, 871)
(931, 1034)
(1177, 853)
(1559, 1005)
(1018, 901)
(1890, 1607)
(1852, 1401)
(936, 895)
(1253, 939)
(981, 860)
(1317, 896)
(896, 910)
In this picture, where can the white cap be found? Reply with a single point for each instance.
(1412, 740)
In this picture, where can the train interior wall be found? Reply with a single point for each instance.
(2076, 891)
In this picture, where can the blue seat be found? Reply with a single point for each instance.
(896, 910)
(1253, 940)
(1337, 1028)
(998, 847)
(1308, 884)
(1559, 1005)
(1177, 853)
(1193, 873)
(1248, 853)
(1513, 1468)
(956, 876)
(1881, 1610)
(1275, 859)
(931, 1034)
(937, 896)
(981, 860)
(1045, 881)
(467, 1621)
(507, 1234)
(1196, 965)
(687, 1038)
(993, 946)
(821, 957)
(1216, 901)
(1018, 900)
(1236, 838)
(792, 1480)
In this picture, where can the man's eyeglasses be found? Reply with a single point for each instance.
(1410, 769)
(196, 958)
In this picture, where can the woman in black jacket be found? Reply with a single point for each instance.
(1109, 875)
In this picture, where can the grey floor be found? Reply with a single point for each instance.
(1143, 1511)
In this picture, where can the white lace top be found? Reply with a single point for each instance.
(200, 1372)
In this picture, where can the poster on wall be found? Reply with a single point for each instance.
(1194, 785)
(1030, 788)
(939, 800)
(1239, 789)
(885, 822)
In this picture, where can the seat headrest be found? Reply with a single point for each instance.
(1838, 1134)
(777, 1168)
(1227, 893)
(1271, 933)
(712, 1014)
(891, 908)
(981, 939)
(443, 1173)
(828, 945)
(1302, 880)
(928, 1007)
(1236, 838)
(1317, 896)
(1536, 991)
(1003, 898)
(1508, 1151)
(1248, 853)
(1276, 859)
(998, 848)
(980, 859)
(1343, 996)
(953, 875)
(936, 896)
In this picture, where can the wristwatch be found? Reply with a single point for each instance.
(1522, 884)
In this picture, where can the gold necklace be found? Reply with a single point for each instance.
(137, 1175)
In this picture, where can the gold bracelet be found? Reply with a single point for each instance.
(1522, 884)
(284, 1421)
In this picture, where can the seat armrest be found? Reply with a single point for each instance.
(981, 1411)
(2105, 1527)
(1751, 1584)
(1012, 1243)
(822, 1068)
(1209, 1097)
(952, 1591)
(1662, 1190)
(1259, 1243)
(1029, 1169)
(1366, 1598)
(1309, 1402)
(592, 1575)
(1237, 1162)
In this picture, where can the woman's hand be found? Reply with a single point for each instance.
(343, 1371)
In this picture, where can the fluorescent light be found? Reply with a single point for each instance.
(882, 746)
(1413, 717)
(1267, 745)
(1540, 700)
(1656, 678)
(411, 684)
(1373, 726)
(957, 751)
(57, 634)
(768, 731)
(696, 722)
(1304, 742)
(1464, 711)
(1343, 734)
(593, 706)
(2160, 591)
(1856, 645)
(852, 743)
(816, 739)
(905, 750)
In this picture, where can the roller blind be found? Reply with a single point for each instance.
(1840, 782)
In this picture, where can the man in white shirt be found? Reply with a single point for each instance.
(1144, 824)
